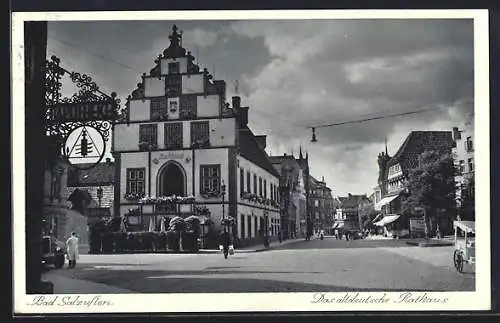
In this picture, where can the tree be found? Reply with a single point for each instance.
(431, 186)
(467, 209)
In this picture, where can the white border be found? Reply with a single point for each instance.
(478, 300)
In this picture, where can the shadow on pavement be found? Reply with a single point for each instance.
(158, 281)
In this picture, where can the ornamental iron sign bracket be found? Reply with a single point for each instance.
(78, 127)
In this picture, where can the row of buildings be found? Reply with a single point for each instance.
(179, 148)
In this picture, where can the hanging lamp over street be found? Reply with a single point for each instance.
(313, 139)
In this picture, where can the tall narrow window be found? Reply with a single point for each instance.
(189, 105)
(260, 186)
(470, 161)
(158, 109)
(173, 135)
(136, 181)
(173, 68)
(148, 138)
(254, 184)
(173, 85)
(461, 167)
(199, 134)
(248, 183)
(249, 226)
(242, 181)
(468, 145)
(265, 189)
(210, 179)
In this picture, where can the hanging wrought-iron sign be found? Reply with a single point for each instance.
(79, 125)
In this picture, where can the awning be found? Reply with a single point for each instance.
(387, 219)
(467, 226)
(377, 217)
(386, 200)
(338, 225)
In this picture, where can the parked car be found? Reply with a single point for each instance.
(53, 251)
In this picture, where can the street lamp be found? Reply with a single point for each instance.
(223, 192)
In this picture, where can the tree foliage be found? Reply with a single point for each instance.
(467, 204)
(431, 185)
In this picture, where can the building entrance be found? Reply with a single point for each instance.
(172, 181)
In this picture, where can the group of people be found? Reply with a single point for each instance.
(338, 235)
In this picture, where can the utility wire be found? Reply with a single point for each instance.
(373, 118)
(96, 55)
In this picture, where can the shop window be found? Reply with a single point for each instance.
(210, 178)
(173, 135)
(200, 134)
(148, 136)
(136, 181)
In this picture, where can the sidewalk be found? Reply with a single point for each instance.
(431, 242)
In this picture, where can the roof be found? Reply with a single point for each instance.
(352, 200)
(250, 149)
(416, 143)
(102, 174)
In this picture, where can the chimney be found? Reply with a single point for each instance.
(236, 100)
(261, 140)
(243, 116)
(456, 134)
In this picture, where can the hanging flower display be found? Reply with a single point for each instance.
(202, 210)
(166, 199)
(133, 196)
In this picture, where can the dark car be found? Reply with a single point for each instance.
(53, 251)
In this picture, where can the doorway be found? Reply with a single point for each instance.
(172, 180)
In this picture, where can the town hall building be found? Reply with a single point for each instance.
(180, 147)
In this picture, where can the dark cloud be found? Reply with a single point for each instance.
(296, 74)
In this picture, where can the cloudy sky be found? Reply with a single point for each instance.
(296, 74)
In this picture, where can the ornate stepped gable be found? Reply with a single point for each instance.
(175, 51)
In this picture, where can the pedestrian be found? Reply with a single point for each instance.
(336, 234)
(72, 249)
(280, 237)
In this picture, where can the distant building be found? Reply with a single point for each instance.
(347, 215)
(321, 203)
(293, 193)
(393, 171)
(463, 154)
(96, 184)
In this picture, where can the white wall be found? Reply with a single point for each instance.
(222, 132)
(244, 211)
(208, 106)
(126, 137)
(254, 169)
(192, 83)
(154, 86)
(139, 110)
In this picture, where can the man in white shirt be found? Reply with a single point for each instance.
(72, 249)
